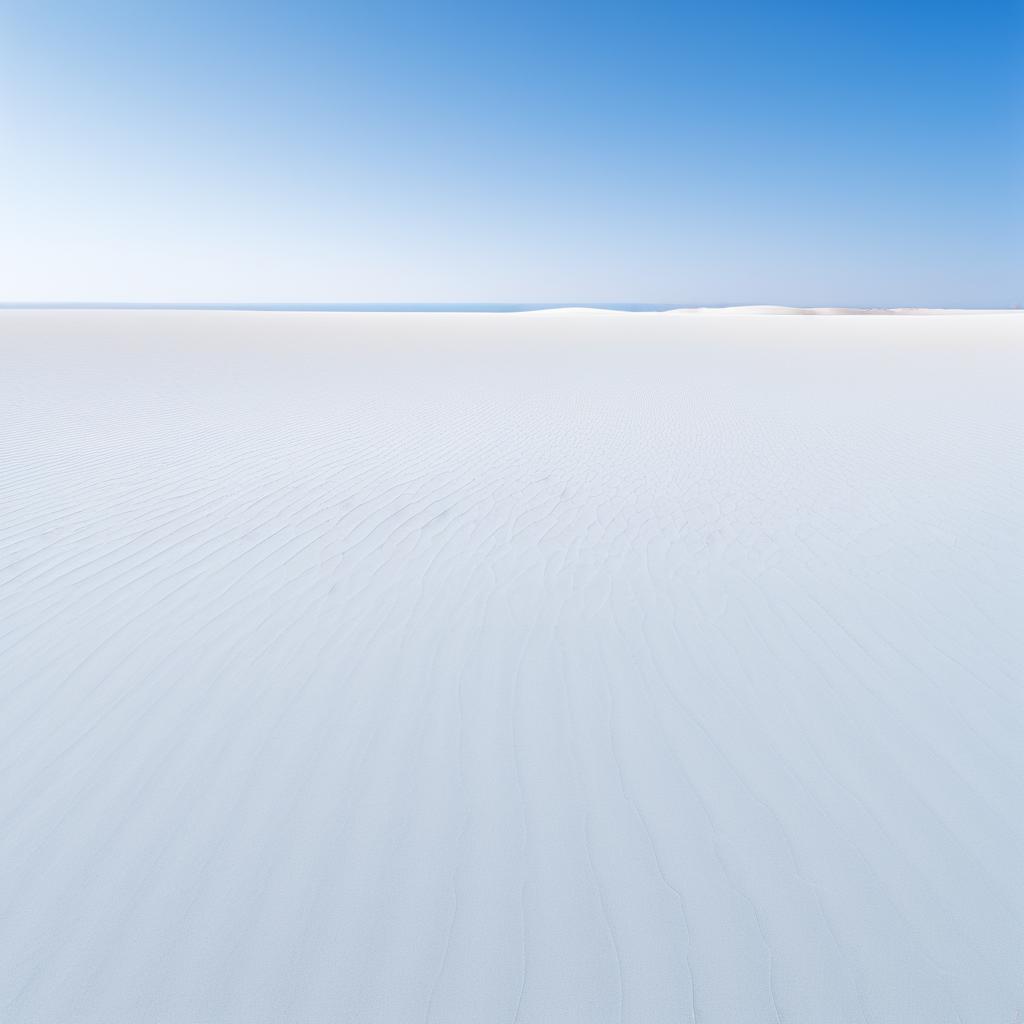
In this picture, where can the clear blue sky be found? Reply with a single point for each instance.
(863, 153)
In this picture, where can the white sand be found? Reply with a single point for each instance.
(491, 668)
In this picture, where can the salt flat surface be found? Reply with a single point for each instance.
(495, 668)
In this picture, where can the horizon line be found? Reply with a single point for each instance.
(474, 307)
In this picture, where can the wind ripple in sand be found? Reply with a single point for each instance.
(491, 668)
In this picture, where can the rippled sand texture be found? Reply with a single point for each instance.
(495, 668)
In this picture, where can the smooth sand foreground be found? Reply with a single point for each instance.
(493, 668)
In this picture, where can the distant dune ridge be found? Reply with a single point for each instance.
(780, 311)
(486, 309)
(838, 311)
(539, 669)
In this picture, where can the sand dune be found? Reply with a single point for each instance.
(835, 311)
(544, 669)
(705, 311)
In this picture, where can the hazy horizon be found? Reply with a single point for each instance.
(462, 307)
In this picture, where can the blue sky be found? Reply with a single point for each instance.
(832, 153)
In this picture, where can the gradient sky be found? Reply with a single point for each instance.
(724, 152)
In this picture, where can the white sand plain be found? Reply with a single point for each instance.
(495, 668)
